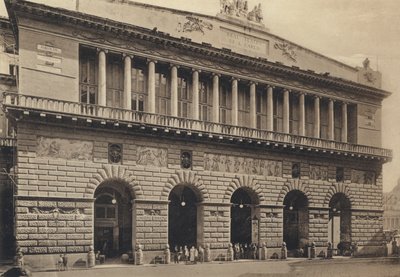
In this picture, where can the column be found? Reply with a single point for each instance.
(102, 77)
(127, 82)
(286, 111)
(195, 94)
(331, 120)
(253, 111)
(235, 103)
(174, 90)
(151, 86)
(302, 115)
(344, 122)
(317, 122)
(215, 88)
(270, 108)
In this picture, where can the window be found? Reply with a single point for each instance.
(105, 209)
(225, 104)
(338, 121)
(205, 100)
(163, 93)
(115, 81)
(324, 117)
(243, 105)
(261, 109)
(138, 89)
(184, 97)
(88, 76)
(294, 114)
(309, 109)
(278, 112)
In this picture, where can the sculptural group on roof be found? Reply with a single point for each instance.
(240, 8)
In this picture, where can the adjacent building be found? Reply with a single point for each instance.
(140, 125)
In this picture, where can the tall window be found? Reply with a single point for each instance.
(278, 112)
(184, 97)
(352, 123)
(294, 114)
(163, 93)
(309, 109)
(244, 105)
(87, 76)
(205, 100)
(261, 109)
(324, 111)
(338, 121)
(138, 89)
(115, 81)
(225, 103)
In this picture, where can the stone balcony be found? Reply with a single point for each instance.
(52, 108)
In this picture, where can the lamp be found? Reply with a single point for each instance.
(291, 207)
(241, 204)
(113, 201)
(183, 203)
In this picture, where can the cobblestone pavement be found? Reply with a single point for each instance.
(387, 267)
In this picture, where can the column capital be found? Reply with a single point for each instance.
(151, 61)
(173, 65)
(317, 96)
(125, 55)
(213, 74)
(286, 89)
(101, 50)
(234, 79)
(253, 83)
(270, 86)
(196, 70)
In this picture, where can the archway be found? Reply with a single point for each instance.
(244, 218)
(183, 217)
(295, 220)
(113, 218)
(339, 226)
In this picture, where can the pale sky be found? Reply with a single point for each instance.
(346, 30)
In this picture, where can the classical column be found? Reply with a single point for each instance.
(253, 112)
(344, 122)
(215, 88)
(151, 86)
(235, 103)
(331, 120)
(302, 114)
(317, 121)
(286, 111)
(174, 90)
(127, 82)
(270, 108)
(195, 94)
(102, 77)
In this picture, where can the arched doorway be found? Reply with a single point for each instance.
(183, 217)
(113, 218)
(244, 217)
(339, 226)
(295, 220)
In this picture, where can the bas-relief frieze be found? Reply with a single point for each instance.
(194, 24)
(200, 61)
(151, 156)
(68, 149)
(318, 172)
(362, 177)
(234, 164)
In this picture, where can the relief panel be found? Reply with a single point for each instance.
(68, 149)
(363, 177)
(151, 156)
(318, 172)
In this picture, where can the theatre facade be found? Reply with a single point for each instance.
(140, 125)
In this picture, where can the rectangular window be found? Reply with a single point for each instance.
(261, 109)
(294, 114)
(352, 123)
(184, 97)
(278, 112)
(205, 93)
(88, 76)
(225, 104)
(338, 121)
(115, 81)
(243, 105)
(138, 89)
(324, 111)
(163, 93)
(309, 109)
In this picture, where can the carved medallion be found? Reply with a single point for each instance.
(186, 159)
(114, 153)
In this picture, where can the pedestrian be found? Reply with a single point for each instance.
(201, 254)
(176, 254)
(60, 263)
(65, 262)
(186, 253)
(192, 255)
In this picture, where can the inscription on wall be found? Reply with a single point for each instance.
(150, 156)
(369, 117)
(68, 149)
(245, 44)
(318, 172)
(224, 163)
(362, 177)
(49, 58)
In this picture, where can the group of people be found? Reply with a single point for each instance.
(245, 251)
(188, 254)
(62, 263)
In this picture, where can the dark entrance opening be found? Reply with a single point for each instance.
(295, 220)
(182, 217)
(339, 226)
(113, 219)
(241, 211)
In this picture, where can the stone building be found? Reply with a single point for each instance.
(136, 124)
(391, 215)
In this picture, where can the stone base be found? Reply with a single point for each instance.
(49, 261)
(370, 251)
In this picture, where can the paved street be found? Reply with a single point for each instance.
(387, 267)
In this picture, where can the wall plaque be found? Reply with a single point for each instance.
(151, 156)
(363, 177)
(49, 57)
(68, 149)
(318, 172)
(244, 44)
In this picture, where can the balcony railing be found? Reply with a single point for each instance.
(41, 104)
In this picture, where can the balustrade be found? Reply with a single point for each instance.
(189, 125)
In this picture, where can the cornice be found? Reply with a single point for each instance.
(42, 12)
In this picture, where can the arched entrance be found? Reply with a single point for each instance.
(295, 220)
(339, 226)
(113, 218)
(244, 217)
(183, 217)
